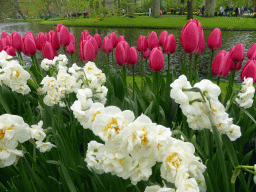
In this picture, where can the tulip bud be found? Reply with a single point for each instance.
(237, 53)
(58, 27)
(120, 54)
(16, 41)
(31, 34)
(156, 60)
(40, 41)
(142, 43)
(132, 56)
(28, 45)
(214, 40)
(163, 36)
(71, 48)
(146, 53)
(189, 37)
(249, 70)
(48, 51)
(4, 34)
(120, 38)
(72, 38)
(98, 40)
(170, 44)
(52, 37)
(89, 52)
(64, 37)
(113, 39)
(251, 54)
(153, 40)
(95, 44)
(1, 46)
(126, 48)
(84, 35)
(220, 66)
(10, 51)
(6, 41)
(107, 46)
(232, 64)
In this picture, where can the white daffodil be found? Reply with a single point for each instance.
(209, 89)
(43, 147)
(46, 64)
(234, 132)
(157, 188)
(185, 184)
(37, 131)
(49, 83)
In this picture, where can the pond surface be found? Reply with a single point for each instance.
(229, 39)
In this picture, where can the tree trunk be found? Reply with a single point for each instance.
(130, 9)
(209, 8)
(156, 8)
(152, 8)
(190, 9)
(182, 8)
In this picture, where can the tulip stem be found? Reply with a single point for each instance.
(21, 59)
(108, 63)
(210, 72)
(72, 58)
(113, 64)
(190, 67)
(183, 65)
(157, 97)
(169, 65)
(133, 81)
(124, 79)
(218, 80)
(230, 86)
(65, 52)
(195, 69)
(142, 72)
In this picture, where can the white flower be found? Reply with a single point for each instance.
(8, 156)
(234, 132)
(209, 89)
(185, 184)
(43, 147)
(52, 98)
(49, 83)
(37, 131)
(91, 114)
(46, 63)
(157, 188)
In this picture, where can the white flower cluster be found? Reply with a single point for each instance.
(13, 75)
(200, 114)
(13, 130)
(245, 97)
(58, 62)
(86, 81)
(133, 146)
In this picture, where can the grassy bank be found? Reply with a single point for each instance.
(167, 21)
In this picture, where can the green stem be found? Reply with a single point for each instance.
(97, 59)
(190, 67)
(133, 81)
(169, 65)
(113, 63)
(195, 69)
(124, 79)
(183, 65)
(210, 72)
(142, 72)
(157, 98)
(65, 52)
(72, 58)
(230, 86)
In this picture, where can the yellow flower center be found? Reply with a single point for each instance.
(112, 125)
(15, 73)
(95, 114)
(2, 131)
(175, 160)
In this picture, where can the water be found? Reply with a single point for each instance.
(229, 39)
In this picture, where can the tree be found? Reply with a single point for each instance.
(156, 8)
(209, 8)
(190, 10)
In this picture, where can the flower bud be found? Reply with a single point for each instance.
(163, 36)
(146, 53)
(120, 54)
(214, 40)
(28, 45)
(48, 51)
(107, 46)
(113, 39)
(71, 48)
(153, 40)
(219, 66)
(237, 53)
(98, 40)
(156, 60)
(249, 70)
(10, 51)
(170, 44)
(132, 56)
(142, 43)
(16, 41)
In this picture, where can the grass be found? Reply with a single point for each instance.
(167, 21)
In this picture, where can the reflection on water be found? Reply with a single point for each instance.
(229, 39)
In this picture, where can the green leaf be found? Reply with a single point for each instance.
(246, 112)
(120, 88)
(234, 175)
(149, 83)
(26, 180)
(68, 179)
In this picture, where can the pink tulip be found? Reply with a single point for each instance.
(40, 41)
(170, 44)
(10, 51)
(31, 34)
(146, 53)
(219, 66)
(84, 35)
(71, 48)
(126, 48)
(156, 60)
(153, 40)
(95, 44)
(53, 38)
(249, 70)
(163, 36)
(214, 40)
(89, 52)
(16, 41)
(132, 56)
(113, 39)
(64, 37)
(120, 38)
(72, 38)
(232, 64)
(120, 54)
(251, 54)
(28, 45)
(98, 39)
(81, 50)
(237, 53)
(58, 27)
(4, 34)
(6, 41)
(107, 46)
(48, 51)
(142, 43)
(1, 45)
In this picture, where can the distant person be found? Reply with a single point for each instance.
(172, 11)
(242, 10)
(149, 11)
(203, 11)
(245, 9)
(145, 12)
(239, 10)
(231, 11)
(221, 11)
(161, 13)
(198, 12)
(226, 11)
(252, 9)
(236, 11)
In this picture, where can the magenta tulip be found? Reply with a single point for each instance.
(146, 53)
(28, 45)
(153, 40)
(219, 66)
(31, 34)
(249, 70)
(251, 54)
(156, 60)
(214, 40)
(48, 51)
(4, 34)
(126, 48)
(237, 53)
(113, 39)
(84, 35)
(52, 37)
(95, 44)
(58, 27)
(98, 40)
(120, 54)
(16, 41)
(120, 38)
(40, 41)
(170, 44)
(142, 44)
(1, 45)
(132, 56)
(72, 38)
(107, 46)
(10, 51)
(163, 36)
(64, 37)
(89, 52)
(71, 48)
(232, 64)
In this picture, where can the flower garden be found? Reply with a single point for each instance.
(70, 127)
